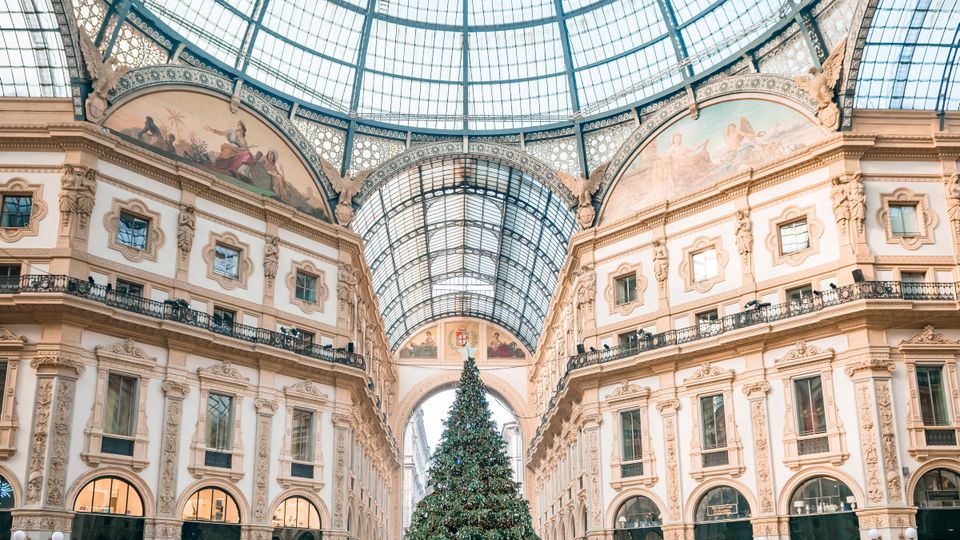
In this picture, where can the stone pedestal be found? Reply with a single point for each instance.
(162, 529)
(40, 524)
(256, 532)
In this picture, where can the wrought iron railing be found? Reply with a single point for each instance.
(172, 310)
(762, 314)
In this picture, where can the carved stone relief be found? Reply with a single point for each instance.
(78, 190)
(868, 441)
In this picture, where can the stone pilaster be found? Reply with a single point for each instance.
(341, 482)
(43, 510)
(591, 430)
(174, 392)
(261, 466)
(256, 532)
(757, 396)
(162, 529)
(668, 413)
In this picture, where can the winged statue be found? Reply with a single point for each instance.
(820, 83)
(583, 189)
(104, 77)
(346, 186)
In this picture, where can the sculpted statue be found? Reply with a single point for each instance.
(857, 202)
(347, 187)
(346, 295)
(660, 263)
(271, 258)
(839, 200)
(583, 189)
(104, 78)
(585, 298)
(78, 190)
(953, 199)
(744, 234)
(820, 84)
(186, 226)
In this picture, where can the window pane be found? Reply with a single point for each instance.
(226, 261)
(306, 287)
(933, 404)
(132, 231)
(903, 220)
(120, 405)
(302, 435)
(714, 423)
(219, 422)
(811, 416)
(632, 435)
(794, 237)
(704, 265)
(16, 211)
(132, 289)
(626, 289)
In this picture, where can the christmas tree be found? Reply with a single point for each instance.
(471, 494)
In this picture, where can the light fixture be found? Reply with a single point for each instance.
(622, 522)
(19, 535)
(57, 536)
(873, 534)
(910, 533)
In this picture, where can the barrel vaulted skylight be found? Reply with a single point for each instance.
(470, 64)
(460, 236)
(32, 61)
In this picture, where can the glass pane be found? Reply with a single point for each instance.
(16, 211)
(794, 237)
(132, 231)
(638, 512)
(302, 435)
(704, 265)
(219, 422)
(632, 435)
(714, 423)
(120, 405)
(903, 220)
(811, 416)
(226, 261)
(933, 405)
(306, 287)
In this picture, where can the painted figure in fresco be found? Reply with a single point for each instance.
(150, 133)
(425, 349)
(235, 156)
(682, 166)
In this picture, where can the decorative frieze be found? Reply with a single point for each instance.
(668, 410)
(78, 190)
(174, 393)
(261, 465)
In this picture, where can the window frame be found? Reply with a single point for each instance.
(926, 218)
(228, 240)
(4, 214)
(92, 484)
(322, 294)
(705, 381)
(305, 396)
(624, 398)
(687, 267)
(627, 282)
(225, 379)
(944, 404)
(774, 241)
(793, 223)
(136, 219)
(610, 292)
(20, 187)
(154, 237)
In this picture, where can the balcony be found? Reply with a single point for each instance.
(180, 312)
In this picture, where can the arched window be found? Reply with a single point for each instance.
(822, 495)
(722, 504)
(938, 488)
(637, 512)
(109, 495)
(211, 504)
(296, 513)
(6, 495)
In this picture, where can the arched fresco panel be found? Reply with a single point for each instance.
(727, 138)
(236, 146)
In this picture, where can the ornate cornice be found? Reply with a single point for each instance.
(708, 374)
(628, 390)
(174, 389)
(803, 353)
(668, 406)
(871, 366)
(756, 390)
(55, 364)
(223, 372)
(306, 390)
(928, 336)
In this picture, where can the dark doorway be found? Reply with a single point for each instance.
(198, 530)
(823, 526)
(725, 530)
(106, 527)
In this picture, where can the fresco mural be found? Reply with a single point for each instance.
(461, 338)
(502, 345)
(727, 138)
(423, 345)
(237, 147)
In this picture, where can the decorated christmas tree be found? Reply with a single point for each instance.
(471, 494)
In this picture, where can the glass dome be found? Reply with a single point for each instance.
(471, 64)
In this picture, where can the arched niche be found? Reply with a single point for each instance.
(741, 123)
(199, 126)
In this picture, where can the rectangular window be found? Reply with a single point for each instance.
(15, 212)
(632, 435)
(913, 277)
(811, 415)
(903, 220)
(120, 405)
(627, 339)
(224, 318)
(626, 287)
(932, 396)
(306, 287)
(226, 261)
(707, 320)
(794, 236)
(301, 443)
(704, 265)
(129, 288)
(308, 338)
(799, 295)
(9, 277)
(3, 382)
(133, 231)
(714, 422)
(219, 422)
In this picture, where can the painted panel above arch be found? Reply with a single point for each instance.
(688, 155)
(444, 342)
(238, 147)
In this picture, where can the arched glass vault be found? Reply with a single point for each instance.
(464, 236)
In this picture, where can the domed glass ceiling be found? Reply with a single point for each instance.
(470, 64)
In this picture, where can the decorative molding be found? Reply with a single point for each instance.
(271, 260)
(52, 363)
(628, 390)
(38, 441)
(888, 442)
(170, 448)
(261, 464)
(928, 348)
(38, 208)
(244, 266)
(744, 236)
(226, 379)
(868, 442)
(306, 390)
(708, 374)
(610, 294)
(223, 373)
(310, 269)
(928, 336)
(814, 232)
(926, 218)
(59, 450)
(756, 390)
(624, 398)
(802, 354)
(871, 366)
(686, 264)
(709, 380)
(155, 236)
(761, 446)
